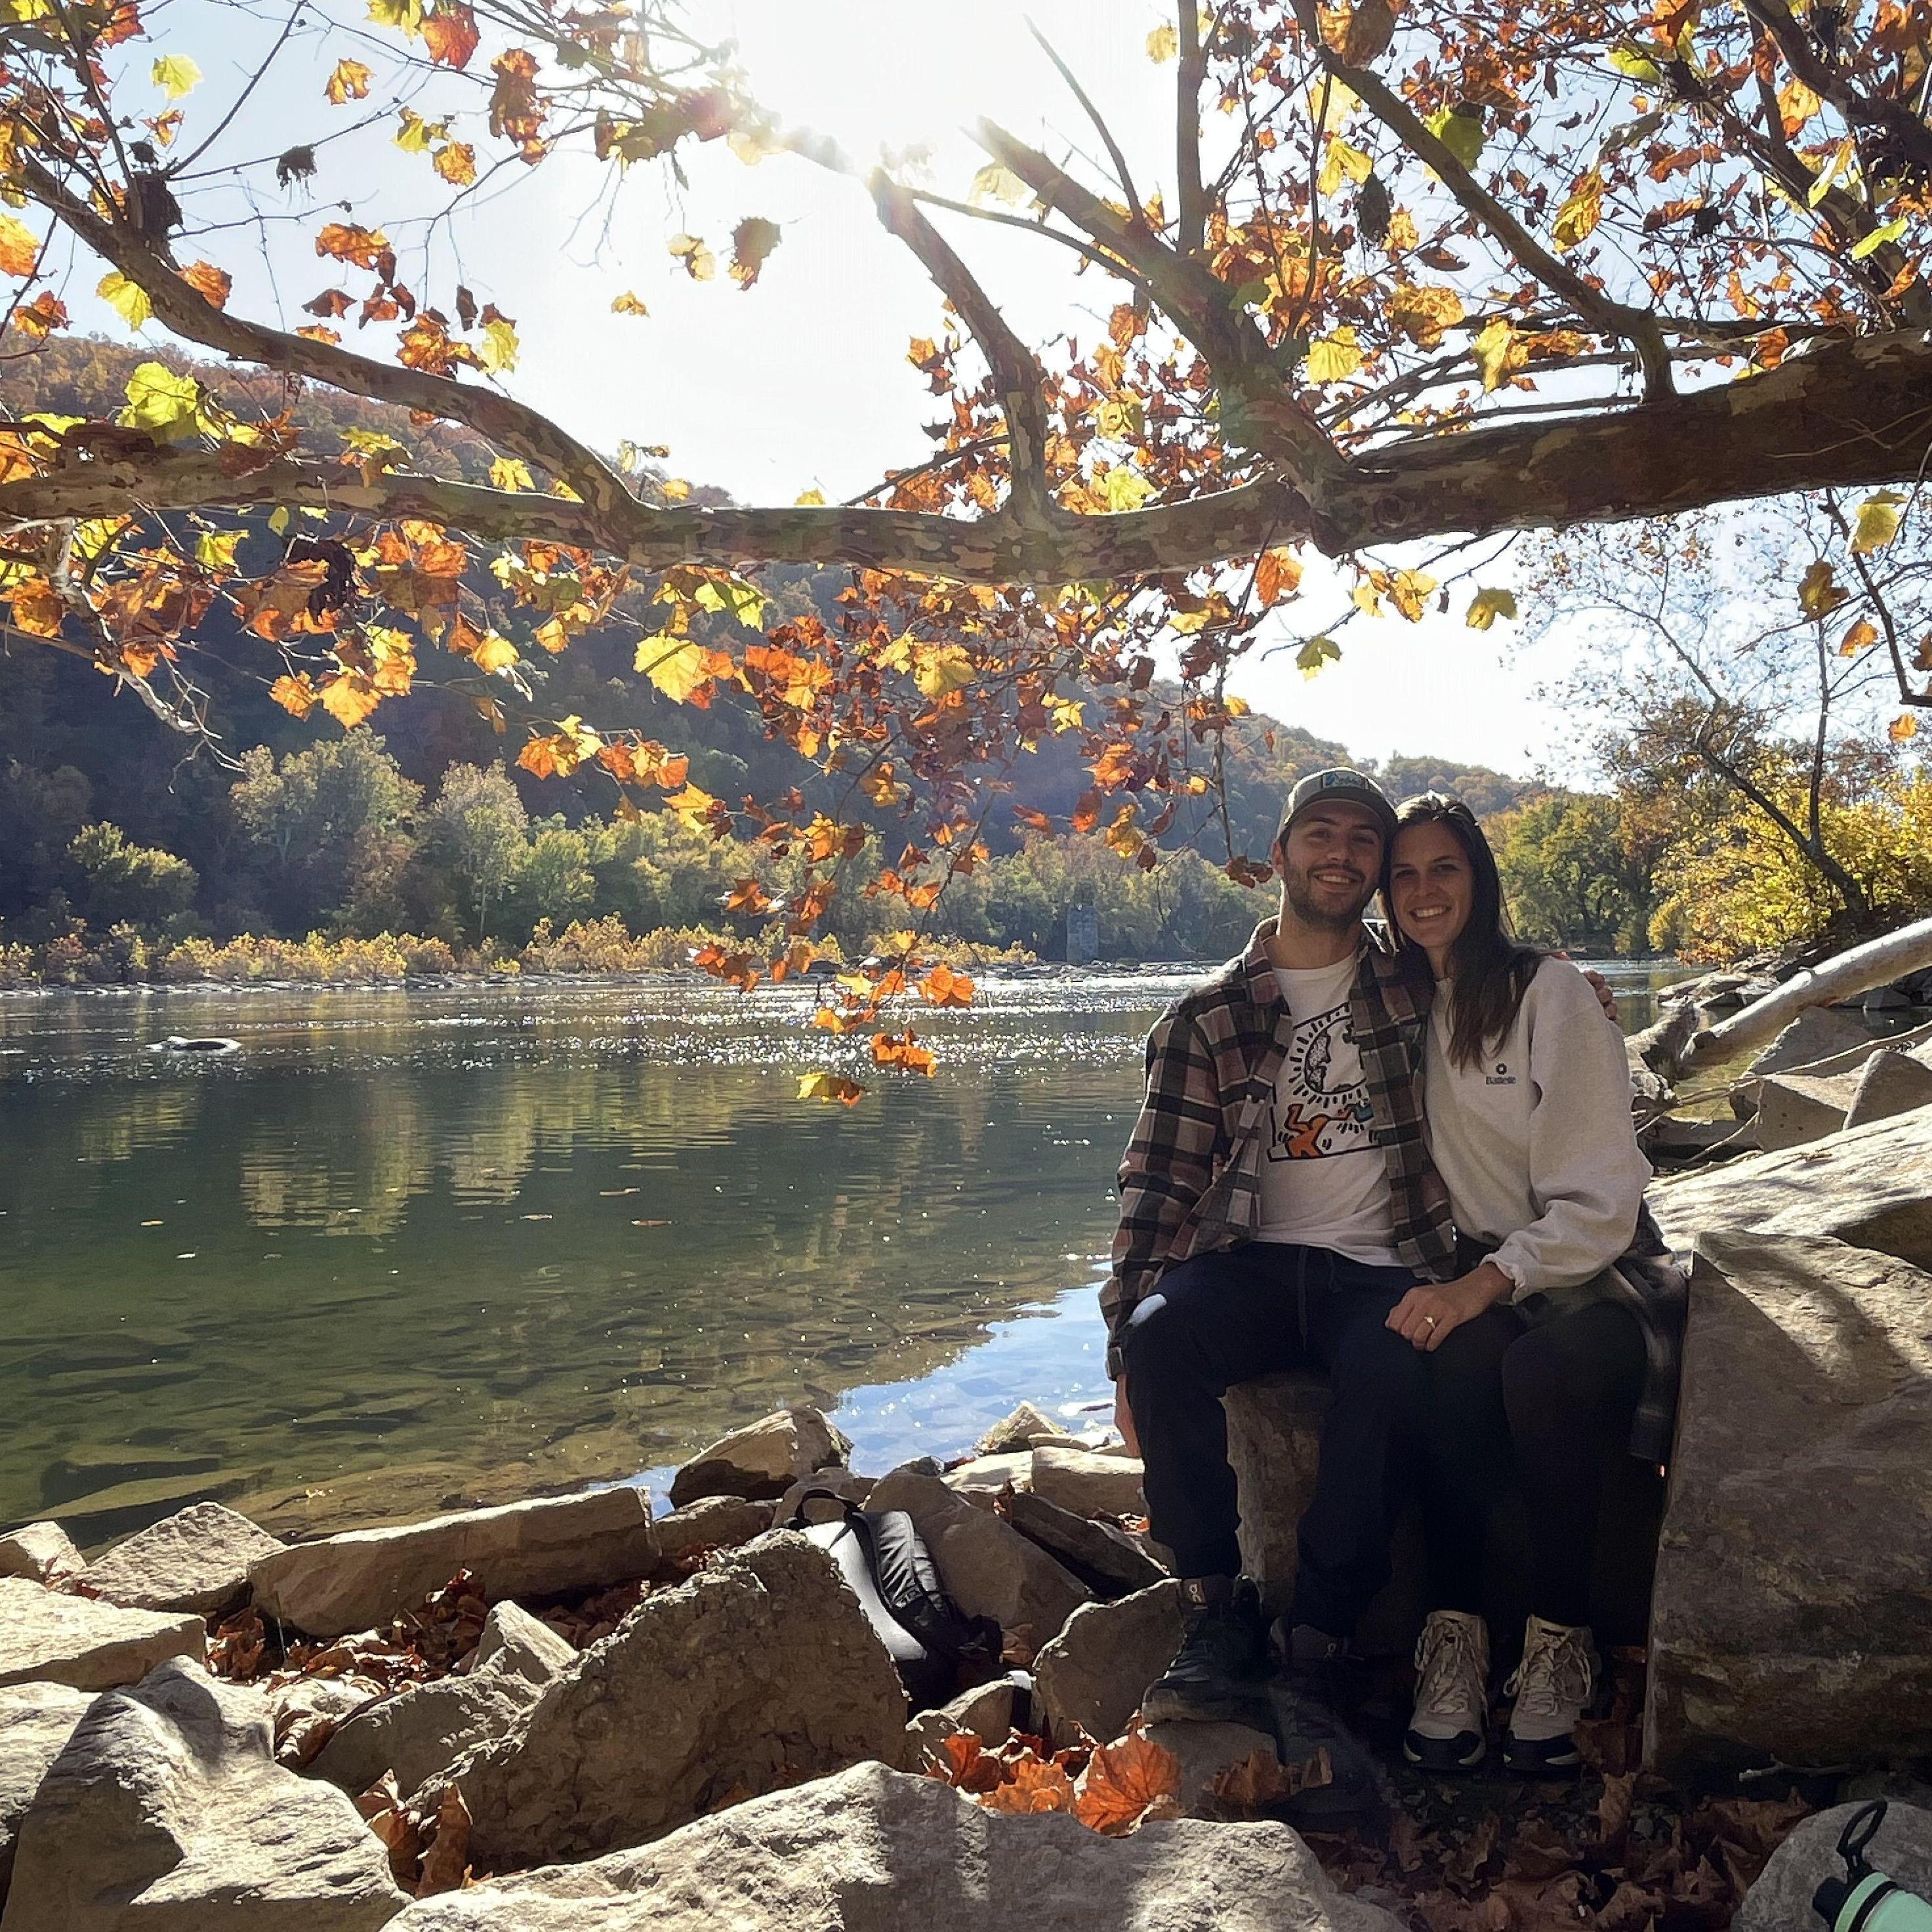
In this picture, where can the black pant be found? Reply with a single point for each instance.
(1248, 1311)
(1536, 1402)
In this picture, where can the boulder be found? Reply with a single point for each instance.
(43, 1552)
(304, 1716)
(513, 1639)
(1816, 1034)
(166, 1807)
(1109, 1560)
(987, 1710)
(875, 1850)
(1780, 1901)
(36, 1720)
(760, 1670)
(989, 1570)
(1096, 1672)
(1794, 1108)
(540, 1548)
(1891, 1082)
(842, 1483)
(764, 1458)
(1015, 1431)
(1792, 1614)
(717, 1522)
(1205, 1751)
(197, 1559)
(1871, 1185)
(419, 1732)
(986, 1478)
(1089, 1482)
(51, 1639)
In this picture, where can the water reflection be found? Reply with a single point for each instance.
(405, 1251)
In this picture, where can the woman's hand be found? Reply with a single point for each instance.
(1124, 1418)
(1428, 1313)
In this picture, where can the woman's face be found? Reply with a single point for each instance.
(1431, 885)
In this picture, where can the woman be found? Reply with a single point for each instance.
(1541, 1351)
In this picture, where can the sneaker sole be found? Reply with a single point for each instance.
(1529, 1759)
(1463, 1752)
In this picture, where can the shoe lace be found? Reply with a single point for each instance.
(1553, 1679)
(1448, 1665)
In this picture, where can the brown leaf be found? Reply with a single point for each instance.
(1630, 1908)
(1613, 1808)
(1123, 1781)
(382, 1806)
(1610, 1745)
(446, 1863)
(1256, 1781)
(1467, 1862)
(1035, 1787)
(1537, 1850)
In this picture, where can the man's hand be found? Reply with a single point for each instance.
(1606, 999)
(1124, 1418)
(1428, 1313)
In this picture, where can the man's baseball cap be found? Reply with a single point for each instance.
(1343, 787)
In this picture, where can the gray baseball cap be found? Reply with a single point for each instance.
(1344, 787)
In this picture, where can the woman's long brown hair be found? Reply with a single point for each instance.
(1491, 969)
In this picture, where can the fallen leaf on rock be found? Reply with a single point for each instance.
(1613, 1809)
(1260, 1779)
(1036, 1786)
(1466, 1863)
(445, 1864)
(381, 1808)
(964, 1763)
(1126, 1782)
(236, 1649)
(1538, 1851)
(1630, 1908)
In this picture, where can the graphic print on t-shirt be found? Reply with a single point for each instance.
(1312, 1116)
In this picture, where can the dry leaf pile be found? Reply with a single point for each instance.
(1112, 1788)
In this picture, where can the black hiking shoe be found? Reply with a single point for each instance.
(1309, 1690)
(1214, 1676)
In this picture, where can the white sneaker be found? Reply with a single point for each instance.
(1452, 1694)
(1553, 1686)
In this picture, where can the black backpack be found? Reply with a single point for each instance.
(940, 1651)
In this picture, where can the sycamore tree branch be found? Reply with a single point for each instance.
(1191, 225)
(1637, 326)
(1122, 173)
(145, 260)
(1021, 381)
(1203, 308)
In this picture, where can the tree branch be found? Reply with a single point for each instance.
(1191, 227)
(1129, 193)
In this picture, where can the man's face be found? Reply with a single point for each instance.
(1328, 861)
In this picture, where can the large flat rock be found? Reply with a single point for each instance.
(166, 1808)
(540, 1548)
(36, 1720)
(1096, 1672)
(197, 1559)
(48, 1638)
(1792, 1615)
(764, 1458)
(876, 1850)
(1871, 1186)
(42, 1552)
(760, 1670)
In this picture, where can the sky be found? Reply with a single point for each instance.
(801, 382)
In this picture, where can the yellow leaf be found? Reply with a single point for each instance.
(1862, 635)
(1491, 350)
(938, 671)
(511, 472)
(349, 698)
(995, 183)
(1580, 214)
(627, 304)
(176, 75)
(496, 653)
(1486, 606)
(349, 81)
(692, 803)
(294, 695)
(1332, 357)
(1878, 522)
(19, 247)
(456, 163)
(1124, 489)
(128, 300)
(499, 347)
(1796, 104)
(830, 1087)
(1344, 158)
(699, 261)
(1406, 590)
(812, 499)
(1422, 313)
(1163, 44)
(214, 550)
(164, 404)
(1820, 593)
(1903, 727)
(678, 670)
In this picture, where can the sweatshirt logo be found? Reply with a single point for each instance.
(1501, 1077)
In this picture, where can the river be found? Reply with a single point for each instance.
(414, 1249)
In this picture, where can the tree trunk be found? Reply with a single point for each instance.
(1877, 963)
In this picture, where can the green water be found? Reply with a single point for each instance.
(410, 1250)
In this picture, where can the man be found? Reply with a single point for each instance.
(1276, 1202)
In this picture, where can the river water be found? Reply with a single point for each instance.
(410, 1250)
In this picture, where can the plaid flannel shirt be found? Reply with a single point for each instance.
(1191, 1180)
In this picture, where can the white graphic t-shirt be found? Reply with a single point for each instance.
(1324, 1183)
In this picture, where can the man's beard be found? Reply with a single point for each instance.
(1297, 889)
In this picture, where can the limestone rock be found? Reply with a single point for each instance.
(716, 1523)
(1089, 1482)
(764, 1458)
(760, 1669)
(43, 1552)
(1205, 1751)
(551, 1544)
(51, 1639)
(875, 1850)
(1891, 1082)
(985, 1479)
(304, 1716)
(1108, 1561)
(197, 1559)
(842, 1483)
(1794, 1108)
(1871, 1186)
(1816, 1034)
(419, 1732)
(1015, 1431)
(36, 1720)
(1792, 1613)
(1096, 1672)
(989, 1570)
(1781, 1898)
(166, 1807)
(513, 1639)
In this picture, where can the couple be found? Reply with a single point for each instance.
(1411, 1165)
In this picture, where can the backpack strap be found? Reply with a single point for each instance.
(812, 1495)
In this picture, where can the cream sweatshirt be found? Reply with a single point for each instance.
(1535, 1142)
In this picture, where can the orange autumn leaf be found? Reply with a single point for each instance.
(19, 247)
(748, 895)
(349, 81)
(349, 698)
(38, 610)
(1125, 1782)
(349, 241)
(1035, 1787)
(212, 284)
(38, 318)
(831, 1087)
(450, 33)
(296, 695)
(1035, 821)
(456, 162)
(903, 1052)
(942, 987)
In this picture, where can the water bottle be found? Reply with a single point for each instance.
(1865, 1900)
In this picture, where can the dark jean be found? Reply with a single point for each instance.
(1251, 1310)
